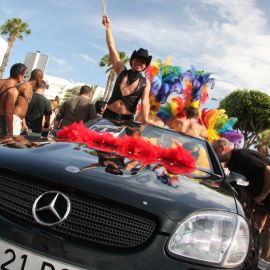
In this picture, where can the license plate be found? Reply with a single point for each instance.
(16, 258)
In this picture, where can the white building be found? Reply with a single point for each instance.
(59, 86)
(99, 94)
(3, 48)
(35, 60)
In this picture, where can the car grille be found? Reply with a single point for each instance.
(94, 220)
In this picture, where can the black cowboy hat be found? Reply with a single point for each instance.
(141, 54)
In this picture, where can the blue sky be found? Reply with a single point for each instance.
(230, 38)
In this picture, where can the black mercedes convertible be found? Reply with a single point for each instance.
(66, 205)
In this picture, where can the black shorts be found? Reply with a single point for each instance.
(3, 127)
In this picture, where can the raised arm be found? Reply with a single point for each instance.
(118, 66)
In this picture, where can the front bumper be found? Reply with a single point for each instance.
(152, 256)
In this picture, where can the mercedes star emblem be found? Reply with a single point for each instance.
(51, 208)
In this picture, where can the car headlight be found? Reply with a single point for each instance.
(211, 237)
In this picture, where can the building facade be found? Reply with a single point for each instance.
(59, 86)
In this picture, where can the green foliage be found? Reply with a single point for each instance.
(72, 92)
(106, 61)
(123, 57)
(264, 138)
(252, 109)
(15, 28)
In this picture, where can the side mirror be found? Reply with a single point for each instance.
(240, 179)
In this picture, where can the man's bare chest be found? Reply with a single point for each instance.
(127, 89)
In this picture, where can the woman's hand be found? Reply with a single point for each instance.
(106, 21)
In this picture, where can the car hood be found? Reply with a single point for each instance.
(74, 166)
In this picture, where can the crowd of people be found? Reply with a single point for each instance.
(24, 109)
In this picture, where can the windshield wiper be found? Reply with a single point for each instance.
(205, 171)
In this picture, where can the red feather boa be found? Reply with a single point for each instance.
(176, 160)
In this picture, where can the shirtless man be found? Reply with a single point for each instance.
(130, 86)
(8, 97)
(25, 94)
(188, 125)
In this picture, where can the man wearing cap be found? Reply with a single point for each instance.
(130, 86)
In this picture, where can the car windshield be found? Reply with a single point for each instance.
(164, 138)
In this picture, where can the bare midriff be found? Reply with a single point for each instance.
(119, 107)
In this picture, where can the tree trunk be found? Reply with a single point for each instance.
(251, 136)
(11, 41)
(250, 139)
(112, 81)
(109, 86)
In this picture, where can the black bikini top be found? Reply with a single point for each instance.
(131, 101)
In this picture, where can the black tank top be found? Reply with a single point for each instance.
(131, 101)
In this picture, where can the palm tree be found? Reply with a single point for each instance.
(14, 28)
(71, 92)
(106, 61)
(74, 91)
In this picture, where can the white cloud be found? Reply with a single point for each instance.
(229, 38)
(78, 7)
(101, 48)
(64, 3)
(234, 45)
(88, 58)
(59, 65)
